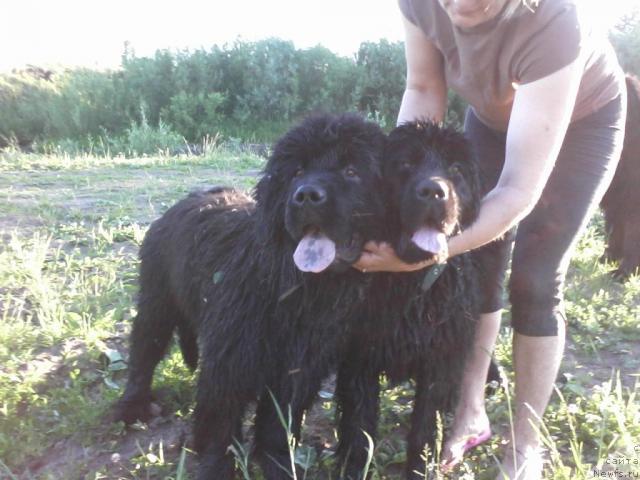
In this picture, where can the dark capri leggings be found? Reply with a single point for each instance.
(543, 242)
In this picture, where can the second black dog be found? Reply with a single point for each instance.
(416, 326)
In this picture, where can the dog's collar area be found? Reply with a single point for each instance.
(433, 273)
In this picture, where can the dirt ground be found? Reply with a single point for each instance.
(71, 459)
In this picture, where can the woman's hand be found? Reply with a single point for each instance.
(380, 257)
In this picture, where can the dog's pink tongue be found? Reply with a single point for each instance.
(315, 252)
(430, 240)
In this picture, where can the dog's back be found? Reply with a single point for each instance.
(189, 243)
(176, 267)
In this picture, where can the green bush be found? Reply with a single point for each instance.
(194, 116)
(248, 90)
(85, 104)
(268, 83)
(143, 139)
(626, 41)
(24, 101)
(326, 82)
(381, 79)
(146, 84)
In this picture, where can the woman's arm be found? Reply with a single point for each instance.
(425, 95)
(539, 120)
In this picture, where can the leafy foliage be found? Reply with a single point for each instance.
(194, 114)
(381, 80)
(626, 40)
(251, 90)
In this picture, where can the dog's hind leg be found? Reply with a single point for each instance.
(430, 398)
(228, 382)
(152, 331)
(357, 391)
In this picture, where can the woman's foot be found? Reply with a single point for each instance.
(526, 464)
(470, 422)
(470, 428)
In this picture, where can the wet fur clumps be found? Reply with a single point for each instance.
(217, 269)
(410, 329)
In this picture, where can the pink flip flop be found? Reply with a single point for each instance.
(472, 442)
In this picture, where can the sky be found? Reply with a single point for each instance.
(92, 33)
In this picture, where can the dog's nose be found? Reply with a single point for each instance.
(430, 189)
(310, 195)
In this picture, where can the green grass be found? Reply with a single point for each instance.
(71, 227)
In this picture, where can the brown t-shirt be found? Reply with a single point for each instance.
(484, 64)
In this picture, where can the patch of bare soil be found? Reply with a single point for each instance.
(601, 365)
(10, 223)
(115, 457)
(114, 453)
(104, 186)
(69, 459)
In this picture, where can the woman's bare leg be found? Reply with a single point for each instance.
(470, 419)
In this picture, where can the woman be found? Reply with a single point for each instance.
(546, 118)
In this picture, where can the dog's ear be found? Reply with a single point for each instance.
(405, 131)
(270, 194)
(364, 136)
(454, 146)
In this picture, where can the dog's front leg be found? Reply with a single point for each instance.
(421, 441)
(279, 419)
(221, 402)
(357, 392)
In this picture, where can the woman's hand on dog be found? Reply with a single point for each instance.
(380, 257)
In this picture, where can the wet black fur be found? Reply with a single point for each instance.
(218, 268)
(622, 201)
(407, 333)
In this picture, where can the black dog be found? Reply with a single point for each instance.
(620, 203)
(226, 274)
(416, 326)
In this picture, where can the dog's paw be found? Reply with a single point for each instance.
(132, 411)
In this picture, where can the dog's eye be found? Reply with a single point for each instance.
(454, 170)
(351, 172)
(406, 165)
(299, 171)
